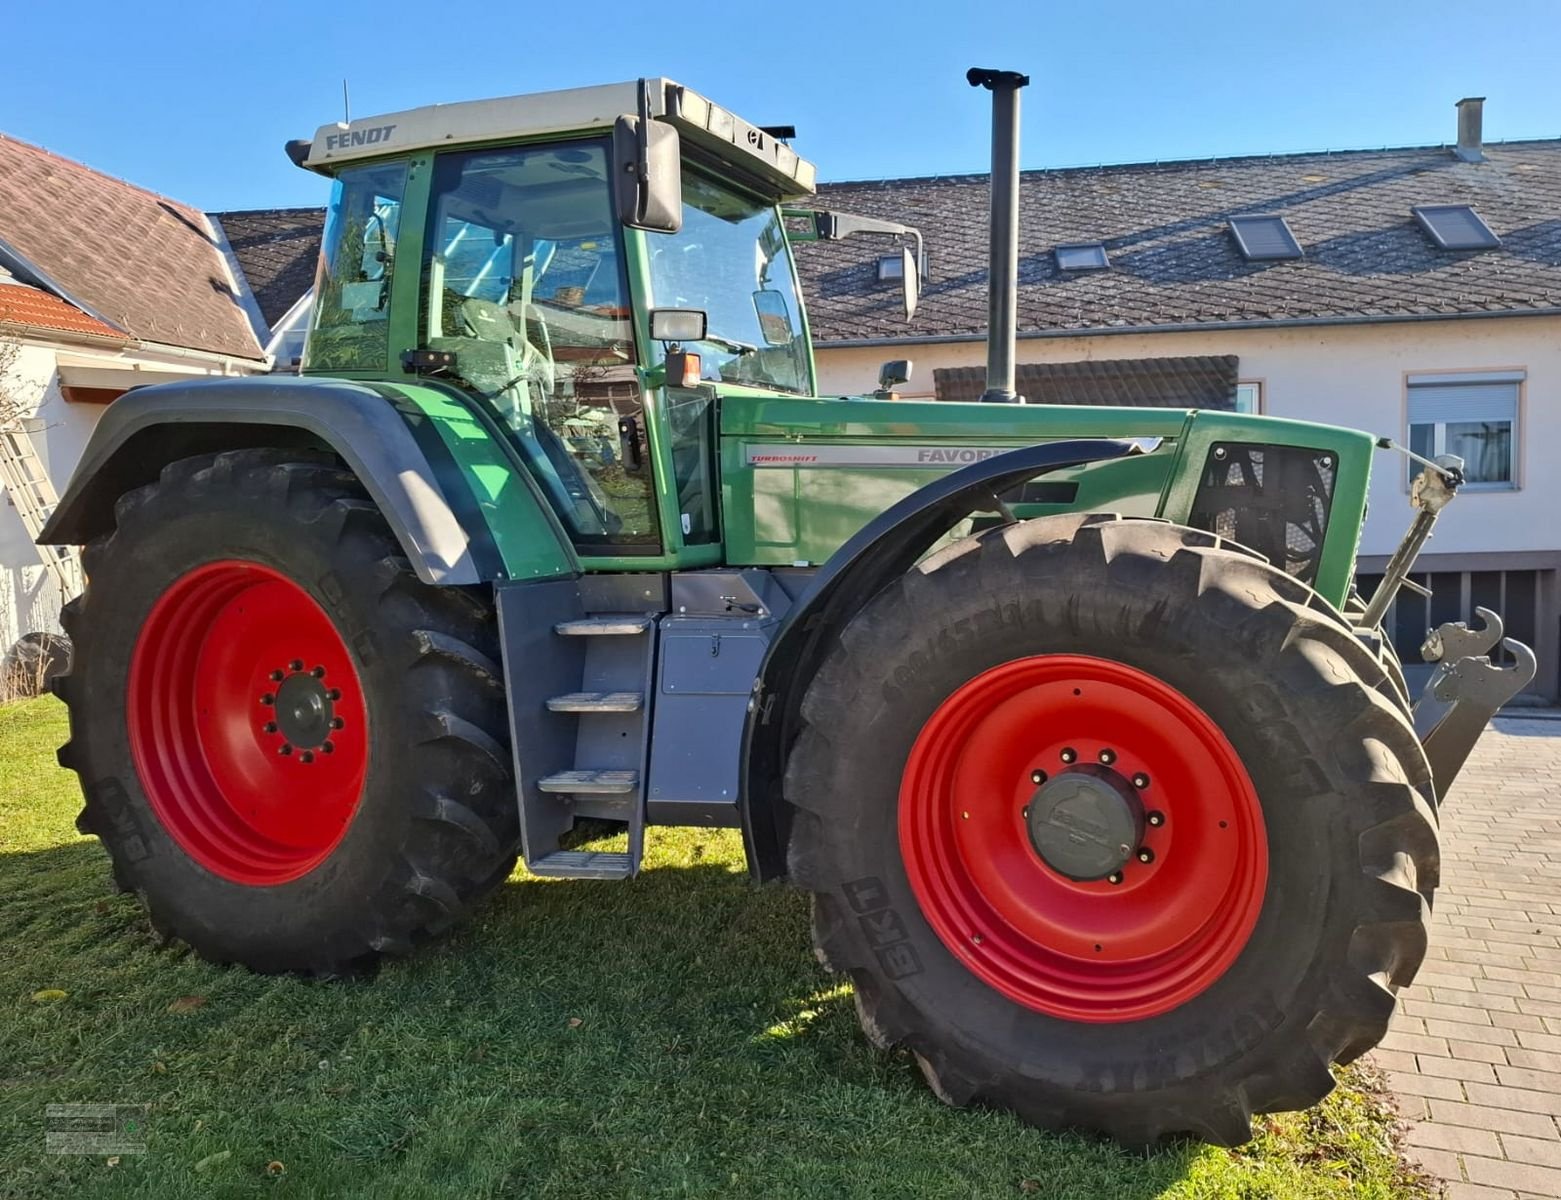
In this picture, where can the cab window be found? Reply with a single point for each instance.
(351, 322)
(523, 279)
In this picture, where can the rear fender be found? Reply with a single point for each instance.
(396, 455)
(882, 550)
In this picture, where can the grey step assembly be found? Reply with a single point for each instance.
(579, 705)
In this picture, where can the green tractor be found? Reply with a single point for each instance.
(1109, 794)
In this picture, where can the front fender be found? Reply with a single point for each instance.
(885, 548)
(398, 459)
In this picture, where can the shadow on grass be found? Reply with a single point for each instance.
(669, 1035)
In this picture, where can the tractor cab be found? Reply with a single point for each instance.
(553, 256)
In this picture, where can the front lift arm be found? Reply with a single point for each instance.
(1467, 689)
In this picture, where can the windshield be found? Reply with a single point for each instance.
(730, 259)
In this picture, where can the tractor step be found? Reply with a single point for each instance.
(583, 864)
(608, 626)
(584, 702)
(590, 783)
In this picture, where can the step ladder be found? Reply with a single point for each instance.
(611, 710)
(31, 491)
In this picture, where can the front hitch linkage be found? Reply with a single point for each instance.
(1467, 688)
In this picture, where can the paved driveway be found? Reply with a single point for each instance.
(1475, 1052)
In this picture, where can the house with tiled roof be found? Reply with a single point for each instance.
(1415, 292)
(104, 286)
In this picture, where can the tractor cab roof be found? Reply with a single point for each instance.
(714, 130)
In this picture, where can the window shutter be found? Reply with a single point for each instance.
(1476, 400)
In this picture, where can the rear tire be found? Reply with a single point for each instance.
(994, 987)
(392, 814)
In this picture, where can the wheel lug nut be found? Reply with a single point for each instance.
(286, 748)
(1025, 812)
(1037, 776)
(277, 676)
(1114, 877)
(296, 665)
(307, 756)
(269, 726)
(318, 672)
(268, 699)
(1145, 855)
(1069, 754)
(334, 693)
(1156, 819)
(337, 722)
(1108, 757)
(1140, 781)
(327, 747)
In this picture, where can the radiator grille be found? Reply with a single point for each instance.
(1272, 499)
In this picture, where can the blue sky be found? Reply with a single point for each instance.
(196, 100)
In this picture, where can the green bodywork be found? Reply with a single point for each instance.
(776, 508)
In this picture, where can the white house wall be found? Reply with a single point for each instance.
(29, 597)
(1351, 375)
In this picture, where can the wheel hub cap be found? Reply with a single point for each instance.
(1086, 823)
(303, 711)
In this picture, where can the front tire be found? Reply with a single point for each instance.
(293, 750)
(1224, 895)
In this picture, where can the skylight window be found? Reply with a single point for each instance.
(891, 268)
(1264, 237)
(1455, 227)
(1089, 256)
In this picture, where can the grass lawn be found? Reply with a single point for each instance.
(671, 1036)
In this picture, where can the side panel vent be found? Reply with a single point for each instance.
(1272, 499)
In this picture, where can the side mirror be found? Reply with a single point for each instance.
(647, 162)
(910, 277)
(774, 317)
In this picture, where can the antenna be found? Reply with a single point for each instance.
(346, 103)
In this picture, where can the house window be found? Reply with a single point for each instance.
(1249, 397)
(1472, 416)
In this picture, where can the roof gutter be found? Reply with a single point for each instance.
(1188, 327)
(231, 364)
(49, 335)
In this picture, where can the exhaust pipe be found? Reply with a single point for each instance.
(1002, 303)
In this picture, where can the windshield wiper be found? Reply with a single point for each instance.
(716, 339)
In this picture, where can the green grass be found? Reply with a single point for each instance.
(666, 1037)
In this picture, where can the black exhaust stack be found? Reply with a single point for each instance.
(1003, 264)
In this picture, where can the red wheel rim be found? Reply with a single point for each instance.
(1111, 949)
(247, 722)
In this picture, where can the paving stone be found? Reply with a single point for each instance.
(1523, 1099)
(1459, 1068)
(1502, 1120)
(1412, 1083)
(1531, 1150)
(1460, 1139)
(1525, 1177)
